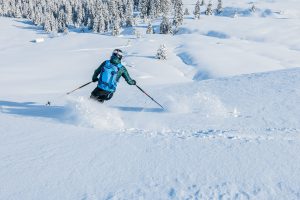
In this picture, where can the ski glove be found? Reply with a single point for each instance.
(133, 82)
(95, 79)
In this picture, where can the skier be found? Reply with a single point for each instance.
(109, 74)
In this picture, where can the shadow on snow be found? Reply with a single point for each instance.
(32, 109)
(138, 109)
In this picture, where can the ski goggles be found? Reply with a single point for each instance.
(118, 53)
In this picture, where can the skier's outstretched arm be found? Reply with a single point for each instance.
(97, 72)
(126, 76)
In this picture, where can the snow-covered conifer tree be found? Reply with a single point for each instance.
(106, 17)
(54, 24)
(61, 20)
(38, 14)
(114, 17)
(17, 9)
(47, 24)
(178, 13)
(197, 10)
(113, 9)
(137, 33)
(7, 8)
(186, 11)
(93, 10)
(87, 11)
(78, 15)
(129, 13)
(165, 7)
(149, 29)
(121, 7)
(152, 9)
(146, 20)
(68, 10)
(220, 7)
(96, 15)
(102, 23)
(144, 6)
(1, 8)
(162, 52)
(27, 10)
(235, 14)
(253, 8)
(50, 24)
(115, 29)
(165, 26)
(157, 8)
(209, 10)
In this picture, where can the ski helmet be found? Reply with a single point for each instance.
(118, 53)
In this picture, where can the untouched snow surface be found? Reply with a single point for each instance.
(230, 130)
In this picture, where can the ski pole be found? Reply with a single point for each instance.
(50, 102)
(149, 96)
(79, 87)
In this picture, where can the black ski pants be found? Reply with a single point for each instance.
(101, 95)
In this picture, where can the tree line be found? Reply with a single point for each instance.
(100, 16)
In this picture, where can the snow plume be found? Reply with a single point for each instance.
(93, 114)
(210, 104)
(178, 105)
(204, 103)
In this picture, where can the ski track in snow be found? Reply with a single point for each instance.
(247, 135)
(225, 190)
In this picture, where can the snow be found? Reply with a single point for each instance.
(39, 40)
(230, 128)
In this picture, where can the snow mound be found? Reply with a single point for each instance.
(90, 113)
(201, 75)
(217, 34)
(188, 59)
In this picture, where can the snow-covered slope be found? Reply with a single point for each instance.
(230, 129)
(218, 144)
